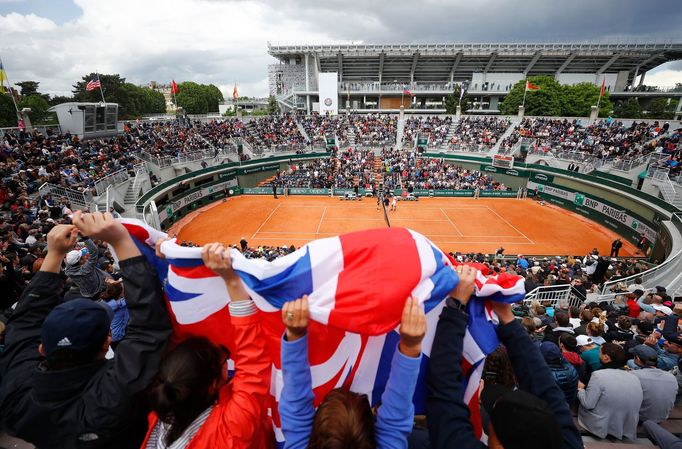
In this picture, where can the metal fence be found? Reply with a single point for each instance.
(115, 179)
(82, 200)
(556, 295)
(652, 277)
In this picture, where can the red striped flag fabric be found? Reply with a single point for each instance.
(356, 285)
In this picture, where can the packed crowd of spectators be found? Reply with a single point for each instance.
(374, 129)
(406, 169)
(604, 139)
(318, 127)
(434, 127)
(275, 132)
(479, 132)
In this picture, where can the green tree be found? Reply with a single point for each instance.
(8, 115)
(273, 107)
(213, 96)
(662, 108)
(577, 100)
(133, 101)
(29, 88)
(191, 97)
(59, 99)
(39, 109)
(452, 100)
(544, 101)
(112, 86)
(629, 108)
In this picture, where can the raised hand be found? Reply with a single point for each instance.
(61, 238)
(100, 226)
(412, 328)
(465, 287)
(217, 258)
(296, 317)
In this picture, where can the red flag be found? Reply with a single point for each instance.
(235, 95)
(174, 87)
(406, 91)
(531, 86)
(601, 93)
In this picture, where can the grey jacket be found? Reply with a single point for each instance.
(610, 404)
(660, 389)
(88, 278)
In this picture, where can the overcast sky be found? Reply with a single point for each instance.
(56, 42)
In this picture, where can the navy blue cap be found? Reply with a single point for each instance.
(79, 325)
(550, 351)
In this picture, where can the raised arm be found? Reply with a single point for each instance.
(93, 255)
(139, 353)
(245, 408)
(296, 402)
(396, 413)
(449, 420)
(22, 335)
(533, 373)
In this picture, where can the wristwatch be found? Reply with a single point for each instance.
(456, 304)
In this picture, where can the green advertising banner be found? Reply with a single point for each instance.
(257, 169)
(598, 210)
(541, 178)
(504, 171)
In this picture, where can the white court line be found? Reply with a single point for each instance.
(497, 242)
(381, 219)
(453, 225)
(266, 220)
(321, 218)
(511, 225)
(358, 206)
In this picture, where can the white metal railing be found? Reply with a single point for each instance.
(659, 177)
(83, 200)
(115, 178)
(466, 148)
(652, 277)
(556, 295)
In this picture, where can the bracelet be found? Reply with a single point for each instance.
(456, 304)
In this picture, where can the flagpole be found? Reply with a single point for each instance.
(9, 90)
(601, 90)
(100, 87)
(525, 90)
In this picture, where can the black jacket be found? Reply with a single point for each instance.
(449, 423)
(91, 406)
(566, 377)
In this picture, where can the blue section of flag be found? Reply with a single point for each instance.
(290, 284)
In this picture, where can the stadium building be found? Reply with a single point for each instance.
(374, 77)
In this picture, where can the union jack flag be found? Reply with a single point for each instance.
(93, 83)
(356, 284)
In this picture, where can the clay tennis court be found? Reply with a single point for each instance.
(454, 224)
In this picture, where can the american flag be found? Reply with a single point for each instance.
(93, 84)
(356, 287)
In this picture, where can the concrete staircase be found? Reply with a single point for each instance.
(351, 137)
(515, 121)
(451, 131)
(400, 129)
(301, 130)
(378, 170)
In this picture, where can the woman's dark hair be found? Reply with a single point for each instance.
(497, 369)
(114, 290)
(343, 420)
(187, 384)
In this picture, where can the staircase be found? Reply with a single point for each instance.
(351, 137)
(400, 129)
(451, 132)
(301, 130)
(378, 170)
(660, 179)
(289, 102)
(506, 134)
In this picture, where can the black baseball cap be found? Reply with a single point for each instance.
(80, 325)
(510, 411)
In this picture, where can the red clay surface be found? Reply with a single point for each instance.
(454, 224)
